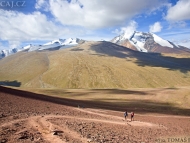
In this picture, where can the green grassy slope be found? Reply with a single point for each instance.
(96, 65)
(23, 67)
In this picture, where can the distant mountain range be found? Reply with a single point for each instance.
(148, 42)
(53, 45)
(138, 41)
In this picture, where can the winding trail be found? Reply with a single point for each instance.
(46, 128)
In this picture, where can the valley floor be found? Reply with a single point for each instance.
(30, 117)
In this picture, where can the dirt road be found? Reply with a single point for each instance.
(24, 119)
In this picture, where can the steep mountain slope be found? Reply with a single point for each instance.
(23, 67)
(95, 65)
(148, 42)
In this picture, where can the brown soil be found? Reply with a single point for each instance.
(29, 118)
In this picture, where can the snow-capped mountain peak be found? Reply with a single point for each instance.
(68, 41)
(53, 45)
(56, 44)
(142, 41)
(7, 52)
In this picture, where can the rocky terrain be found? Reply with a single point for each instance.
(29, 117)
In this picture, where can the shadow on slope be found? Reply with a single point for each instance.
(140, 106)
(121, 91)
(143, 59)
(14, 83)
(93, 91)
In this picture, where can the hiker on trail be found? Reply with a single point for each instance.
(132, 116)
(125, 114)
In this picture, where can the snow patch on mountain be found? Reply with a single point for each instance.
(43, 47)
(59, 41)
(138, 39)
(24, 48)
(161, 41)
(69, 41)
(127, 35)
(56, 43)
(5, 53)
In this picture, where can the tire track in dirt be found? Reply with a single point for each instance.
(50, 131)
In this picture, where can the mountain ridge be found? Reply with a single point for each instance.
(52, 45)
(148, 42)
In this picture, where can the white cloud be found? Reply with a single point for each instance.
(179, 12)
(71, 18)
(156, 27)
(127, 30)
(10, 45)
(14, 44)
(130, 28)
(2, 46)
(98, 13)
(42, 4)
(177, 24)
(17, 26)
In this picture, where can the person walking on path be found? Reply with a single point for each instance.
(132, 116)
(125, 114)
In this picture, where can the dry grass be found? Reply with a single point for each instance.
(95, 65)
(24, 68)
(90, 69)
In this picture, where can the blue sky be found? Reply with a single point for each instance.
(39, 21)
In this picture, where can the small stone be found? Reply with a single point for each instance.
(3, 141)
(2, 115)
(55, 133)
(38, 139)
(89, 140)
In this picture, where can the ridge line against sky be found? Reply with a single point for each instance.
(40, 21)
